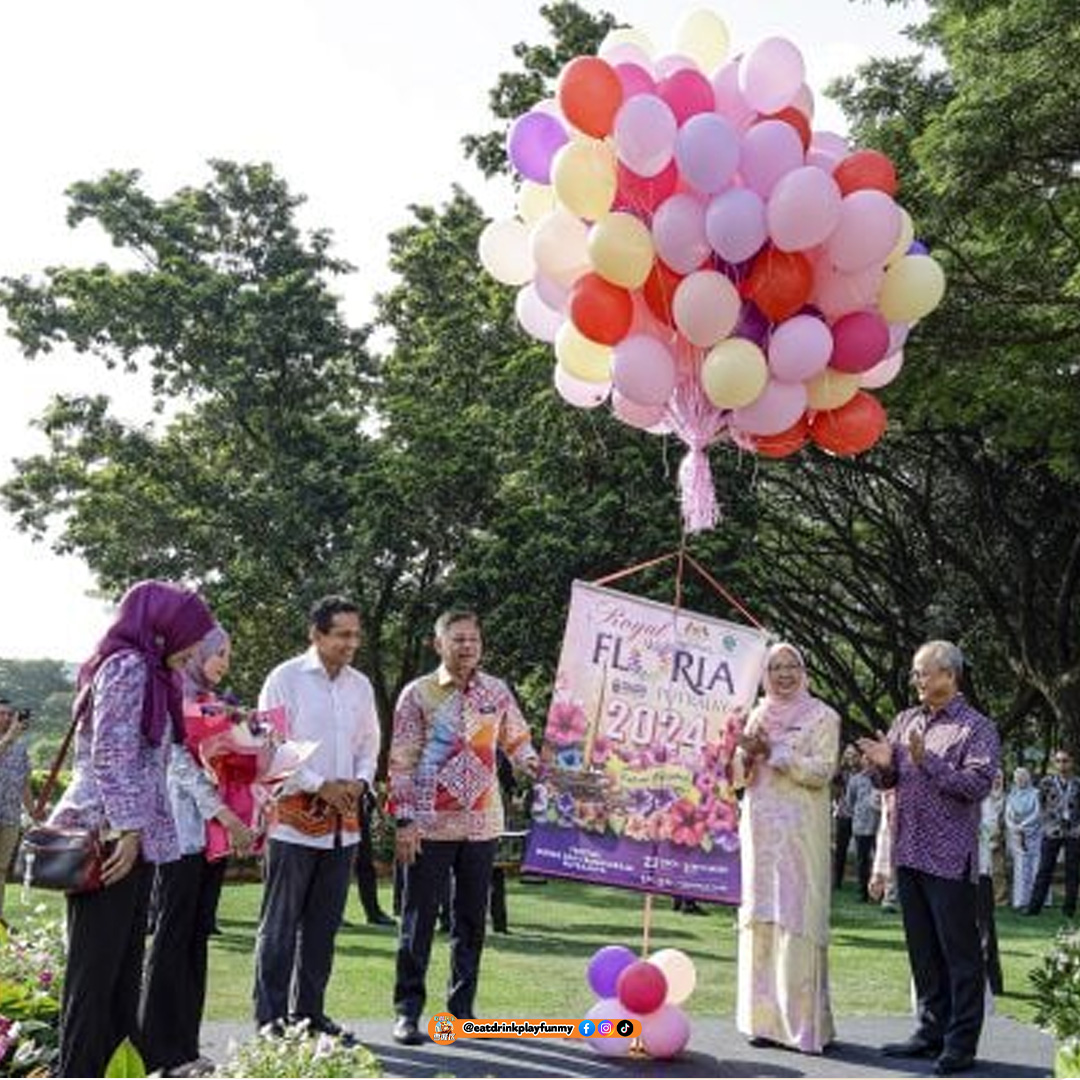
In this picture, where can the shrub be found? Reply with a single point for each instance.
(296, 1051)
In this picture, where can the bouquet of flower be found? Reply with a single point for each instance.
(248, 756)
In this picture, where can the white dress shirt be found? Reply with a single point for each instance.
(338, 714)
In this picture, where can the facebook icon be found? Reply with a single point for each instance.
(586, 1027)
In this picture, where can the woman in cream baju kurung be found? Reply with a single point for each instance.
(787, 756)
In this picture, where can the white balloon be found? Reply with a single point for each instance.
(505, 253)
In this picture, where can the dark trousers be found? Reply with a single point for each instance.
(174, 987)
(864, 862)
(303, 900)
(498, 900)
(1048, 857)
(841, 843)
(984, 916)
(367, 882)
(106, 941)
(470, 863)
(945, 956)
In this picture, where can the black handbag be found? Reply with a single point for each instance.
(64, 859)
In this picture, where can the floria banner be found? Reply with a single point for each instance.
(635, 790)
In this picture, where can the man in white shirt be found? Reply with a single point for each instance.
(315, 822)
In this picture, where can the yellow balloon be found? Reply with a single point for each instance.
(625, 35)
(558, 245)
(583, 176)
(830, 389)
(621, 250)
(584, 359)
(734, 373)
(703, 36)
(913, 287)
(534, 201)
(903, 241)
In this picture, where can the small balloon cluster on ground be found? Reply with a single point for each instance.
(647, 990)
(704, 259)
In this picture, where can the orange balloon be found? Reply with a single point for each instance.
(796, 119)
(851, 429)
(659, 291)
(590, 93)
(866, 169)
(785, 443)
(602, 311)
(779, 282)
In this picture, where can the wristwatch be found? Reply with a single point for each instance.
(403, 822)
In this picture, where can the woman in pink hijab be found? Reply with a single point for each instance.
(787, 754)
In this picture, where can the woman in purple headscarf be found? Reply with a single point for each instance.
(788, 753)
(188, 890)
(129, 709)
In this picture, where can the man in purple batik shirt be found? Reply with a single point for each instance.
(941, 757)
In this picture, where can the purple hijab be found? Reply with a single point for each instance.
(155, 619)
(193, 673)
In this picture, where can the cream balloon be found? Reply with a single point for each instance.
(703, 36)
(620, 249)
(830, 389)
(504, 251)
(903, 241)
(625, 35)
(584, 359)
(534, 201)
(913, 287)
(584, 179)
(679, 971)
(558, 244)
(734, 373)
(705, 307)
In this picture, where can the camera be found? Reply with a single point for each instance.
(23, 716)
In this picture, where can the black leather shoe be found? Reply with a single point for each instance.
(380, 918)
(950, 1063)
(405, 1031)
(915, 1047)
(323, 1025)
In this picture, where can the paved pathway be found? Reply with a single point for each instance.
(1007, 1049)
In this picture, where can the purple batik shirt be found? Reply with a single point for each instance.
(937, 802)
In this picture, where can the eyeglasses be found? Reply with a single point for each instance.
(921, 676)
(785, 667)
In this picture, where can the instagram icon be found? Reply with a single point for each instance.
(605, 1027)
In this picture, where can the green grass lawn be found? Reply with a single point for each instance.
(539, 968)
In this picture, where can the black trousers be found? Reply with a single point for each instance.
(174, 987)
(367, 882)
(945, 956)
(470, 863)
(984, 914)
(106, 941)
(841, 843)
(1048, 857)
(864, 862)
(498, 900)
(303, 900)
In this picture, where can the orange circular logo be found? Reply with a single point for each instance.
(441, 1027)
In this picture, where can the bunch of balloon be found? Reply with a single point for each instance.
(703, 259)
(651, 991)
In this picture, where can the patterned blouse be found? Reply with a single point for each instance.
(14, 770)
(1059, 803)
(443, 770)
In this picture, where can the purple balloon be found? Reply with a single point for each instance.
(752, 324)
(605, 967)
(917, 247)
(532, 142)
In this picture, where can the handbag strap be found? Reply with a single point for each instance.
(50, 783)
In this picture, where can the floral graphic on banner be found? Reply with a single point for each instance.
(635, 787)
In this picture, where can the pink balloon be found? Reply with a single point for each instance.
(771, 74)
(644, 134)
(827, 150)
(668, 65)
(643, 194)
(883, 372)
(551, 292)
(803, 209)
(645, 417)
(835, 294)
(687, 93)
(678, 232)
(778, 406)
(577, 392)
(729, 100)
(665, 1033)
(804, 101)
(707, 152)
(799, 348)
(635, 80)
(705, 307)
(867, 231)
(898, 333)
(770, 149)
(610, 1008)
(860, 340)
(643, 370)
(536, 318)
(735, 224)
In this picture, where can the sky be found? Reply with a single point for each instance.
(360, 106)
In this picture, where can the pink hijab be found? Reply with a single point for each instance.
(193, 672)
(777, 715)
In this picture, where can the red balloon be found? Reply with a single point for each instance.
(779, 282)
(602, 311)
(659, 291)
(851, 429)
(796, 119)
(590, 93)
(860, 340)
(866, 169)
(641, 987)
(785, 443)
(686, 92)
(643, 194)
